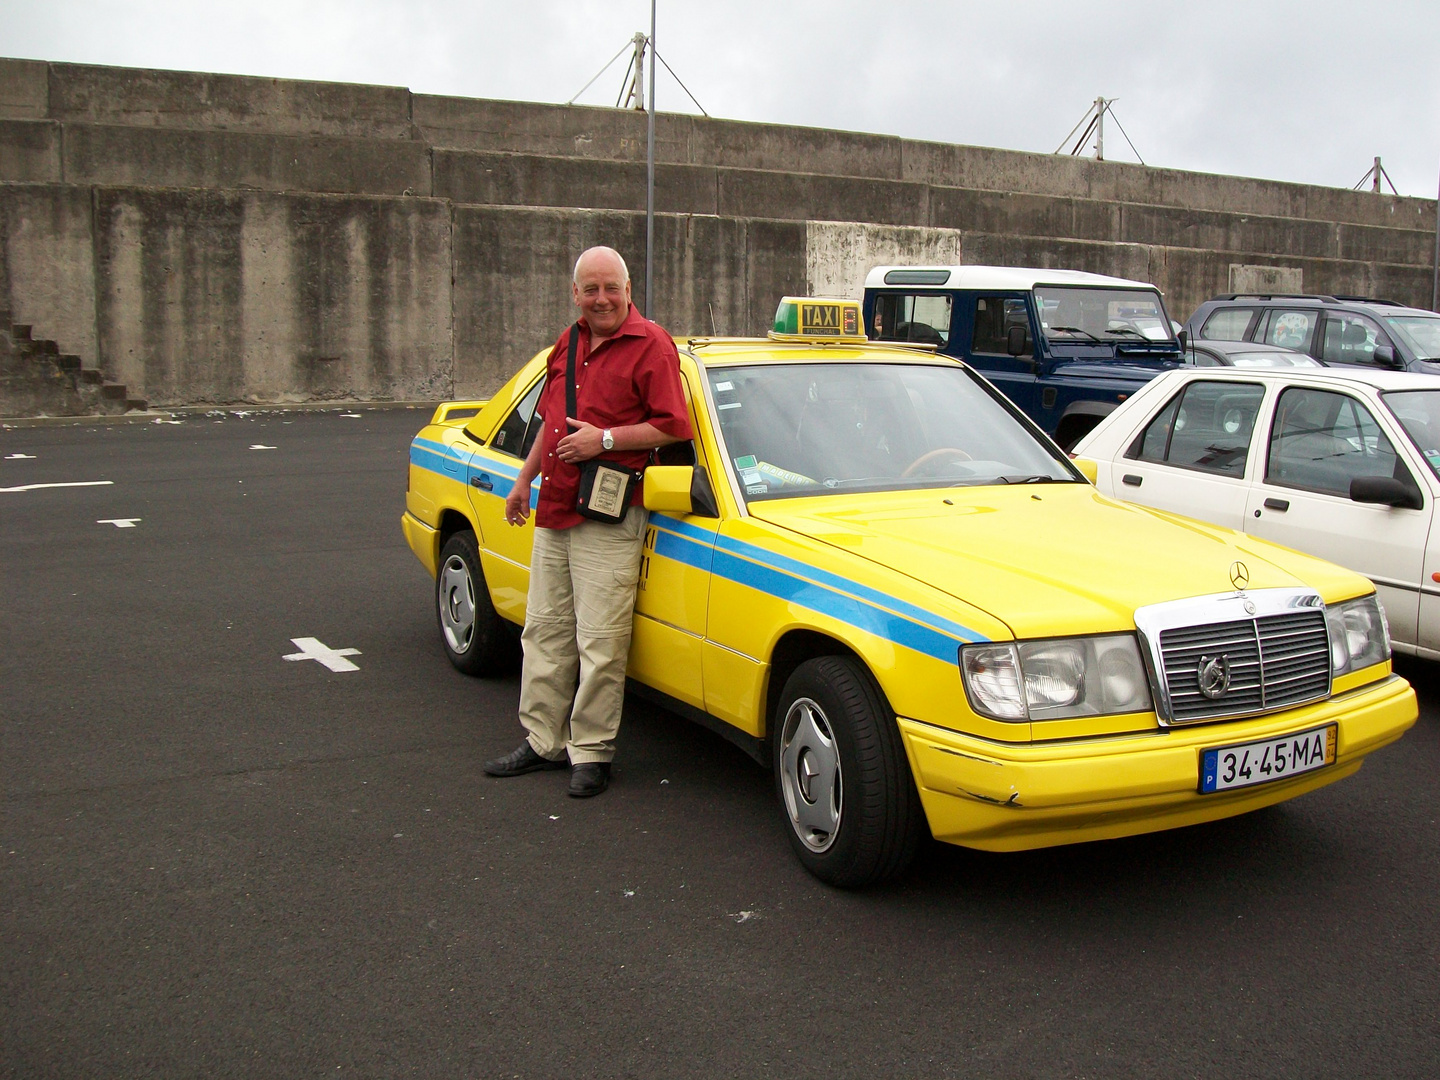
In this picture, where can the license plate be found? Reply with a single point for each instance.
(1245, 764)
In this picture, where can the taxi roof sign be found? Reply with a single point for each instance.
(811, 318)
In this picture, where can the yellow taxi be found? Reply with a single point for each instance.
(882, 580)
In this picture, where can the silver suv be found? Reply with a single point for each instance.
(1354, 330)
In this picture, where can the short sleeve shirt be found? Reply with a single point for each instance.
(633, 377)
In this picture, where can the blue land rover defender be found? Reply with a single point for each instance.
(1065, 346)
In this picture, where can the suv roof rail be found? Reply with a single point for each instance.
(1337, 298)
(1276, 296)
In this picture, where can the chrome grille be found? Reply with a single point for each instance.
(1277, 654)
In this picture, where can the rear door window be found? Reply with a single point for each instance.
(517, 433)
(1228, 324)
(1206, 426)
(905, 317)
(1291, 329)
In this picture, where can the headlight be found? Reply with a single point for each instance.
(1359, 634)
(1052, 680)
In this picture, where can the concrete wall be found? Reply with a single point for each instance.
(221, 238)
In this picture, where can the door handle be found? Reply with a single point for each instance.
(1132, 479)
(482, 481)
(1277, 504)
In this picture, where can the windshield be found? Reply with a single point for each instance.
(1419, 414)
(818, 429)
(1089, 314)
(1420, 332)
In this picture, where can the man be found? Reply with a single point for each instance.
(583, 572)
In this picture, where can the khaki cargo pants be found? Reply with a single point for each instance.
(578, 617)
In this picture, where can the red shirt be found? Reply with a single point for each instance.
(632, 377)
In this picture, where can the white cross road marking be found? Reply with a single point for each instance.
(351, 415)
(73, 483)
(262, 446)
(119, 523)
(19, 457)
(315, 649)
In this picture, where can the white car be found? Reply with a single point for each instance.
(1343, 463)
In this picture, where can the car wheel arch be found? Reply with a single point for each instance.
(793, 648)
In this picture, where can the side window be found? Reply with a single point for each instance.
(994, 316)
(517, 434)
(1227, 324)
(1207, 426)
(1322, 440)
(1203, 358)
(918, 318)
(1350, 339)
(1291, 329)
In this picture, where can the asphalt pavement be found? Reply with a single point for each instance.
(220, 857)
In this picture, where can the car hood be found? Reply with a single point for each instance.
(1049, 559)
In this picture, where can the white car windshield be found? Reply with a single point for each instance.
(818, 429)
(1419, 414)
(1091, 314)
(1420, 332)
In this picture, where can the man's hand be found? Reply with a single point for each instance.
(517, 504)
(582, 444)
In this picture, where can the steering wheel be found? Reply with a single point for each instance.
(934, 455)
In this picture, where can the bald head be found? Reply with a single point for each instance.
(601, 284)
(601, 259)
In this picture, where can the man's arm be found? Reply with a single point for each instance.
(583, 442)
(517, 503)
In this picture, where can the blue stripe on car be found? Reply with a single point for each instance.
(752, 566)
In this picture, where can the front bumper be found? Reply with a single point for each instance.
(1002, 797)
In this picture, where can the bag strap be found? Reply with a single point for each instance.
(570, 378)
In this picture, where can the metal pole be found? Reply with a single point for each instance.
(650, 178)
(1379, 172)
(1100, 129)
(1435, 282)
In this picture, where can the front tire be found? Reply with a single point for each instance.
(845, 787)
(476, 639)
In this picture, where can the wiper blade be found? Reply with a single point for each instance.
(1126, 330)
(1035, 478)
(1073, 330)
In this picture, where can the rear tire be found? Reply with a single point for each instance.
(476, 639)
(845, 787)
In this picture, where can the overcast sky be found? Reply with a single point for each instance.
(1308, 92)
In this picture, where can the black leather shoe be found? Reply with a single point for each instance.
(521, 760)
(589, 778)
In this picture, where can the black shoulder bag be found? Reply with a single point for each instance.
(605, 486)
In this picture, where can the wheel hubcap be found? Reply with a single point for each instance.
(457, 603)
(810, 775)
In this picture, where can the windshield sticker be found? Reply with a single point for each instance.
(1433, 456)
(746, 462)
(719, 386)
(756, 489)
(728, 405)
(750, 476)
(783, 477)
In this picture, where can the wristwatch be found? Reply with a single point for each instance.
(607, 440)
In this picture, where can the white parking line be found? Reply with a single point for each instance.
(119, 523)
(262, 446)
(314, 649)
(19, 457)
(73, 483)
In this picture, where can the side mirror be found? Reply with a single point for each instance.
(1184, 338)
(1385, 490)
(680, 489)
(1385, 356)
(1016, 341)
